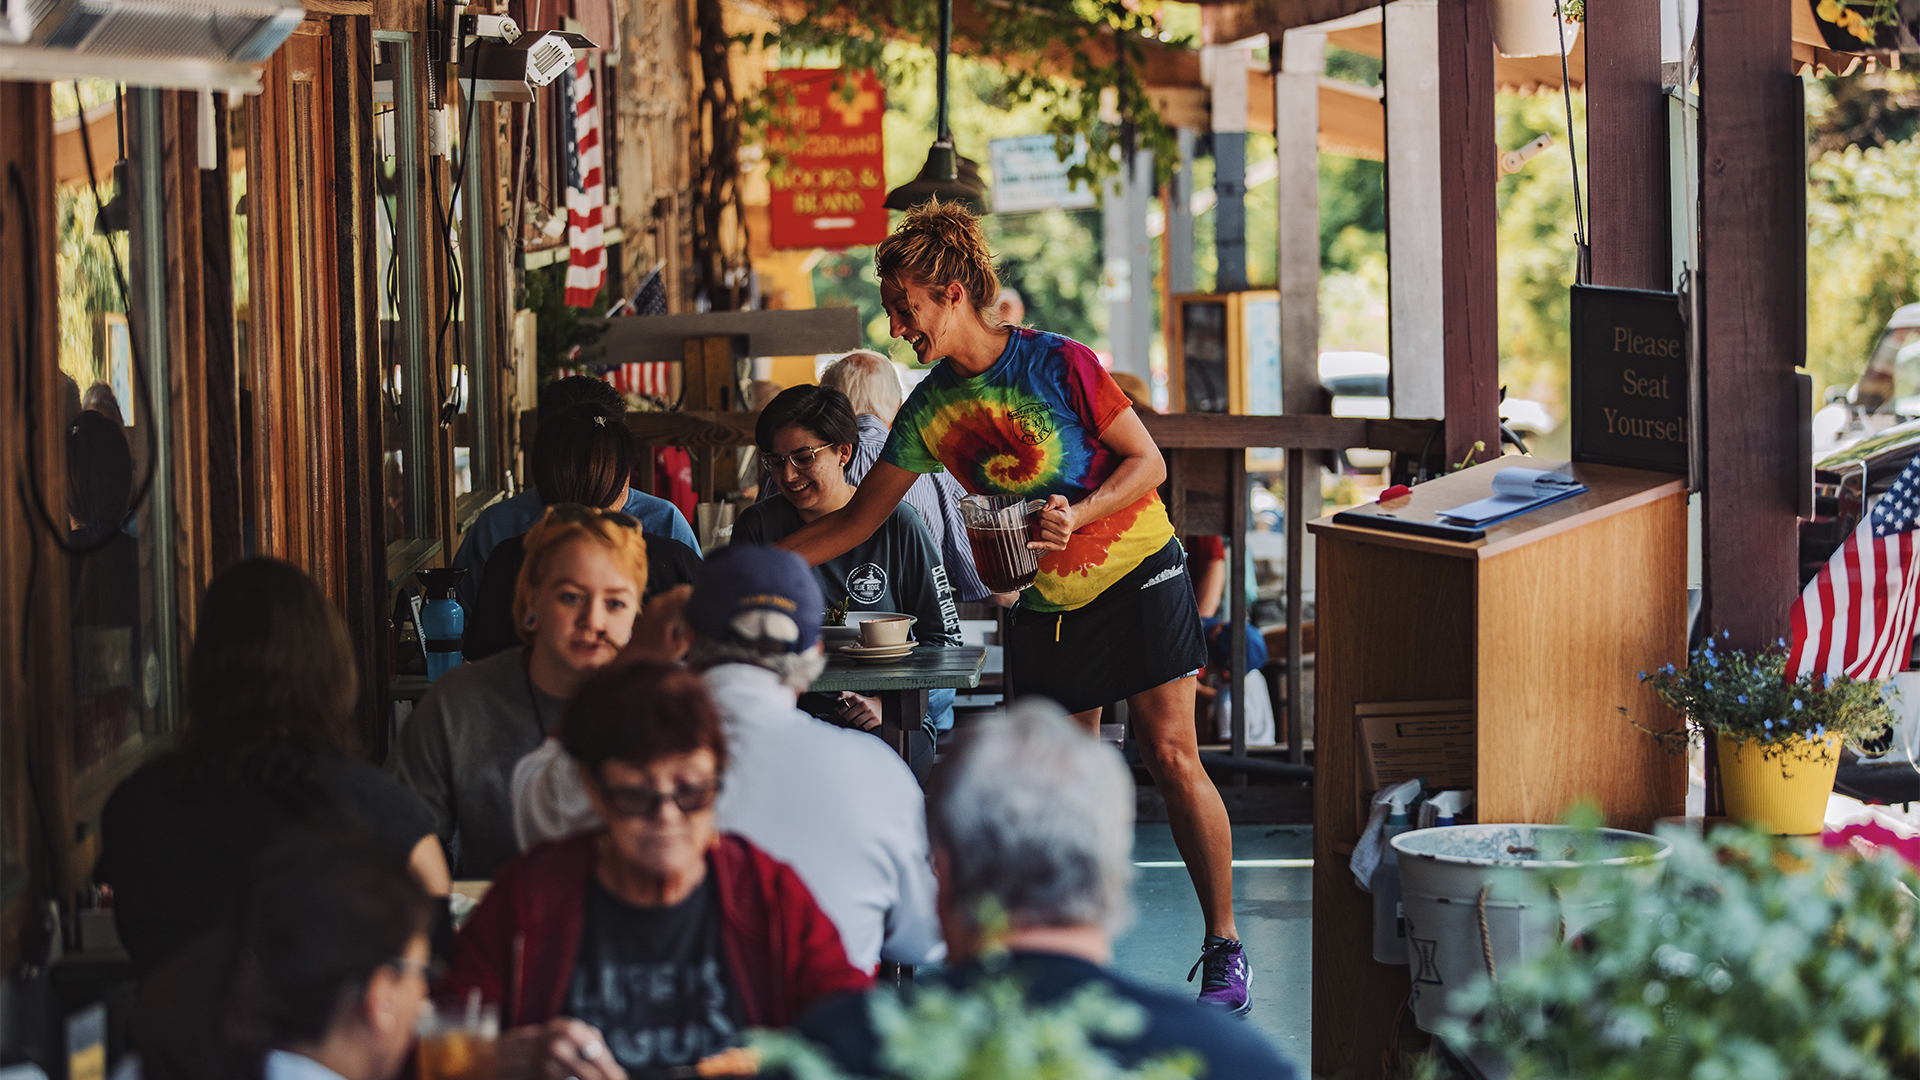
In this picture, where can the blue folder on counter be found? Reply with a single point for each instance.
(1516, 491)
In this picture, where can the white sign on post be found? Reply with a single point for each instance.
(1029, 175)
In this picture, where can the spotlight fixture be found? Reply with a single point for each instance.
(511, 71)
(946, 176)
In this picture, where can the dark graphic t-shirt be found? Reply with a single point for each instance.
(654, 980)
(896, 569)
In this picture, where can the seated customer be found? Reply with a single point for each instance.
(320, 977)
(657, 939)
(1032, 819)
(269, 739)
(837, 805)
(579, 456)
(514, 516)
(806, 438)
(581, 583)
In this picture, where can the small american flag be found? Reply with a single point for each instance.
(1856, 616)
(586, 190)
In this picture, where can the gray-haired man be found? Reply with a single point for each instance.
(1033, 817)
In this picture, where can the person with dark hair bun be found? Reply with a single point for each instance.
(1014, 411)
(269, 740)
(514, 515)
(807, 436)
(320, 975)
(653, 941)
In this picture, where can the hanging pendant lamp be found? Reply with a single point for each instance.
(946, 176)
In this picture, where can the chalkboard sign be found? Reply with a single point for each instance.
(1630, 379)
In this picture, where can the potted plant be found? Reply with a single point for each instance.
(1534, 27)
(1858, 25)
(1750, 956)
(1779, 739)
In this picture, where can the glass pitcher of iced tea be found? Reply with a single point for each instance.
(457, 1039)
(998, 529)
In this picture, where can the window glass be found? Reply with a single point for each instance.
(112, 506)
(407, 406)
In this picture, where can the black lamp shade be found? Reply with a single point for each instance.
(947, 177)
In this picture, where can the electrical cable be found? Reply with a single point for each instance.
(1583, 265)
(443, 219)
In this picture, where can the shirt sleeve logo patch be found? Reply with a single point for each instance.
(867, 583)
(1034, 423)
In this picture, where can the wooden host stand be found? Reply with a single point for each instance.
(1544, 625)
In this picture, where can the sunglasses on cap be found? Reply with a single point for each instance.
(639, 801)
(576, 514)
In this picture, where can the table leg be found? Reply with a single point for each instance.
(901, 713)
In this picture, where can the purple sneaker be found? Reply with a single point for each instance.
(1228, 980)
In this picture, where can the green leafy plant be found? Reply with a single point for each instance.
(1746, 695)
(988, 1031)
(1751, 957)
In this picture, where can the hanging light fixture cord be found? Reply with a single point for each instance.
(1583, 269)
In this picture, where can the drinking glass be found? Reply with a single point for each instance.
(457, 1039)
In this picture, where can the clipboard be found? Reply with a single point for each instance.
(1405, 520)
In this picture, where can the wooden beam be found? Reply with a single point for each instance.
(1245, 18)
(1626, 146)
(1753, 257)
(1469, 283)
(768, 333)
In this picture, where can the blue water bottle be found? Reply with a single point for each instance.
(443, 622)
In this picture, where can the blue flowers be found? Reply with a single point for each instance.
(1668, 669)
(1726, 634)
(1708, 685)
(1742, 699)
(1768, 724)
(1820, 731)
(1796, 705)
(1643, 676)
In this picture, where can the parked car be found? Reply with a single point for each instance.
(1886, 394)
(1357, 383)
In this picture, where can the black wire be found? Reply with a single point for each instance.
(443, 215)
(1573, 152)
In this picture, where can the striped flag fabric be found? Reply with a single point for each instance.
(1856, 616)
(586, 190)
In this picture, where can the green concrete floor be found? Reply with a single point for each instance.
(1273, 906)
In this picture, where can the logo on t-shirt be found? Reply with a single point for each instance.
(867, 583)
(1035, 422)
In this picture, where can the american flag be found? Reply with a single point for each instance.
(1856, 616)
(586, 190)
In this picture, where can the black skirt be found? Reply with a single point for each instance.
(1142, 632)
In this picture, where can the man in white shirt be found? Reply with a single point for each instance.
(837, 805)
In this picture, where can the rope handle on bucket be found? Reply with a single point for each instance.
(1486, 938)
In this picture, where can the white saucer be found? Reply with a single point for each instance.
(879, 654)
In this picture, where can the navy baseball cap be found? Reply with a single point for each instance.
(759, 596)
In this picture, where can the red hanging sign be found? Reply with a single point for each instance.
(829, 181)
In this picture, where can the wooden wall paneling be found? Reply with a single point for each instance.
(268, 303)
(1469, 175)
(1407, 635)
(187, 360)
(1626, 146)
(35, 795)
(225, 509)
(1541, 657)
(361, 507)
(1753, 256)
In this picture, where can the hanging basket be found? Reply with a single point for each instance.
(1840, 39)
(1529, 28)
(1786, 793)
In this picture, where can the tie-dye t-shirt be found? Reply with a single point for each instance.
(1030, 425)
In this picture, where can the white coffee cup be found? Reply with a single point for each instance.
(879, 633)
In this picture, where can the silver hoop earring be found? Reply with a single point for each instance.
(531, 620)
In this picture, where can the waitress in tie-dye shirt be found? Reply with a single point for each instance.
(1111, 615)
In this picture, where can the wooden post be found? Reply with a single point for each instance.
(1237, 600)
(1469, 171)
(1626, 146)
(1417, 382)
(1753, 258)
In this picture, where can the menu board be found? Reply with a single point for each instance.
(1630, 378)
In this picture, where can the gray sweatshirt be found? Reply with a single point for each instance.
(458, 750)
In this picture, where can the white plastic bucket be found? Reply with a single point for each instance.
(1528, 28)
(1474, 899)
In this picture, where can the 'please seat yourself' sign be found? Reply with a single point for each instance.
(1629, 380)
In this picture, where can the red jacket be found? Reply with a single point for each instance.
(520, 943)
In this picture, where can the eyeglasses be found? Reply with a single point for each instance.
(646, 802)
(576, 514)
(802, 458)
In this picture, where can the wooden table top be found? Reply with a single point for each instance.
(929, 667)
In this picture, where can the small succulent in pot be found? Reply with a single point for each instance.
(1746, 696)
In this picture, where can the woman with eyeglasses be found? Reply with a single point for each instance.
(652, 942)
(320, 976)
(807, 436)
(578, 590)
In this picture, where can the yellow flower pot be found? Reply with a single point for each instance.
(1785, 793)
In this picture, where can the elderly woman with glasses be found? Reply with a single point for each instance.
(579, 588)
(807, 437)
(653, 942)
